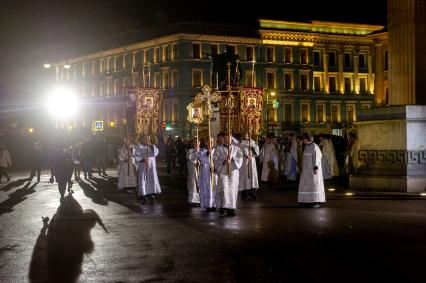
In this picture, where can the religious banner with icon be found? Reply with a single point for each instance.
(229, 111)
(251, 100)
(148, 102)
(195, 113)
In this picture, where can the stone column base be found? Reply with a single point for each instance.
(391, 149)
(388, 183)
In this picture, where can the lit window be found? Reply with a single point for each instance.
(197, 78)
(304, 112)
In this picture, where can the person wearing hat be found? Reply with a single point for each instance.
(5, 161)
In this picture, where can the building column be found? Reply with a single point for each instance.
(407, 44)
(341, 82)
(356, 71)
(325, 75)
(378, 78)
(370, 72)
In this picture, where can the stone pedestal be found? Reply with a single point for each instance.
(391, 149)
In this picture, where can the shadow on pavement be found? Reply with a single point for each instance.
(61, 245)
(14, 184)
(16, 197)
(91, 192)
(103, 189)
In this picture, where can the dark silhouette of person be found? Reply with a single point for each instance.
(62, 169)
(62, 243)
(36, 161)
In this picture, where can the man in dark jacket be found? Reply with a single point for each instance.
(62, 170)
(36, 161)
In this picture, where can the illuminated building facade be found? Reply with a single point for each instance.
(318, 75)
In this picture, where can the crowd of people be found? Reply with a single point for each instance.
(217, 174)
(217, 170)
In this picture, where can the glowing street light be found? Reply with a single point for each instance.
(30, 130)
(112, 124)
(63, 103)
(47, 66)
(67, 66)
(272, 93)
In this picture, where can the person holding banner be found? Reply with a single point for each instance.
(249, 183)
(193, 174)
(227, 159)
(148, 185)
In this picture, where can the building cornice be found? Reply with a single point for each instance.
(162, 41)
(304, 38)
(321, 27)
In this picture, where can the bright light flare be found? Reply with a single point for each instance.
(47, 65)
(331, 189)
(63, 103)
(423, 194)
(349, 194)
(67, 66)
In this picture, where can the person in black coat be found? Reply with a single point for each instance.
(62, 169)
(36, 161)
(169, 154)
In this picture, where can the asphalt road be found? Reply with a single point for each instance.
(100, 234)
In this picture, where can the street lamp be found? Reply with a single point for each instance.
(62, 103)
(267, 109)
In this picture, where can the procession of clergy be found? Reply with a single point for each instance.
(217, 175)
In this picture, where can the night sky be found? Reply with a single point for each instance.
(40, 30)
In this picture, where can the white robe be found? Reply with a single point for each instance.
(207, 194)
(329, 162)
(311, 187)
(126, 169)
(268, 153)
(291, 161)
(227, 185)
(147, 171)
(248, 171)
(192, 181)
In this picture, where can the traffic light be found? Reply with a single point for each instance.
(168, 127)
(275, 104)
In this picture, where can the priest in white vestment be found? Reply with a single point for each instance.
(291, 159)
(249, 183)
(269, 158)
(227, 159)
(311, 184)
(126, 168)
(330, 168)
(205, 180)
(145, 153)
(193, 174)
